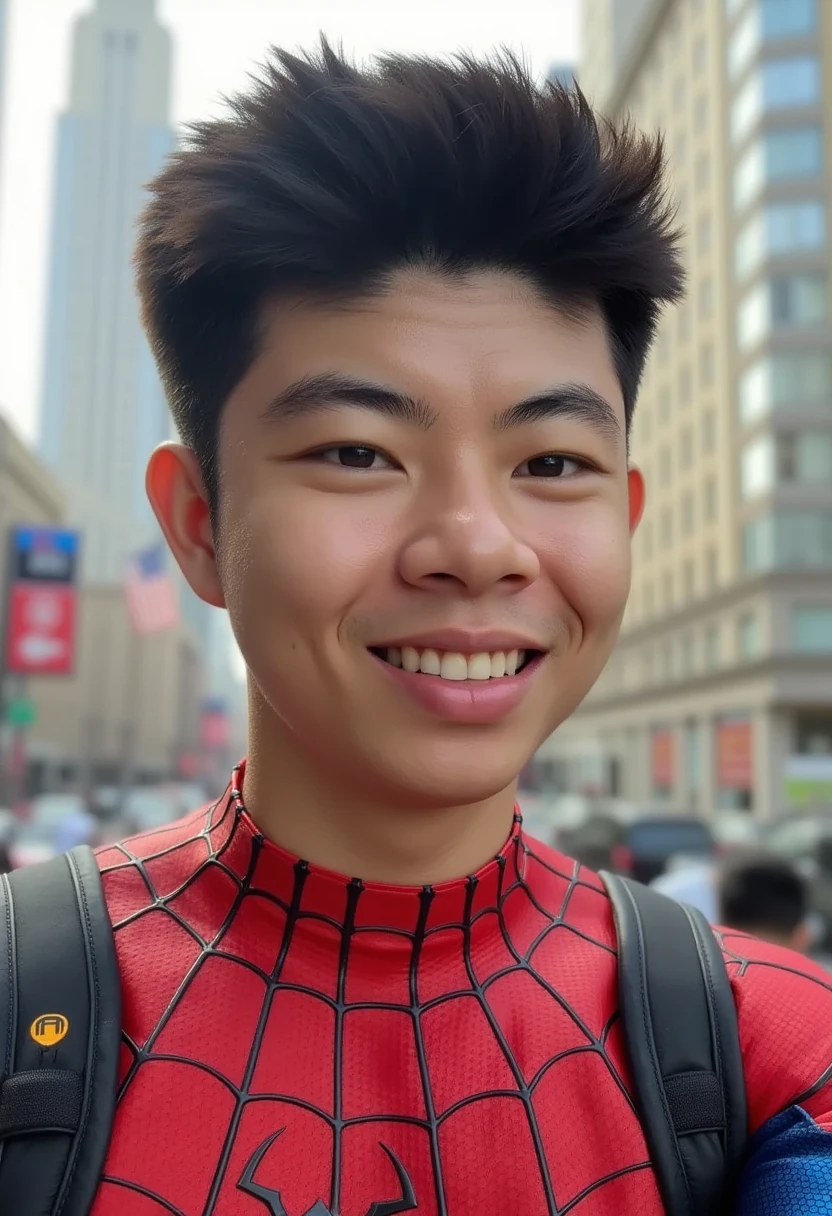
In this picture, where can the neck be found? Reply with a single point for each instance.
(328, 820)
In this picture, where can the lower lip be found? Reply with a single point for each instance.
(473, 701)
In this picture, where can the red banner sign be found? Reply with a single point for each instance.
(734, 755)
(41, 631)
(663, 759)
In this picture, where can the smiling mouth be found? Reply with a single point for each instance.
(455, 666)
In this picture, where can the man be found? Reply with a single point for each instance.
(765, 896)
(401, 316)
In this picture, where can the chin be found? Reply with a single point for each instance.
(462, 776)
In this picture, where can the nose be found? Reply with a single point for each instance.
(469, 546)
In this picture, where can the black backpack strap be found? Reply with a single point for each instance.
(60, 1028)
(680, 1027)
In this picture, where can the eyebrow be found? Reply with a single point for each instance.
(576, 401)
(327, 390)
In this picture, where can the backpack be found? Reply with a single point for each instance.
(60, 1029)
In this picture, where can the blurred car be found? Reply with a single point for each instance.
(639, 846)
(55, 822)
(735, 830)
(805, 839)
(148, 807)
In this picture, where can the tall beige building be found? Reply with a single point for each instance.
(720, 692)
(103, 409)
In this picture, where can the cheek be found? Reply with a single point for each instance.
(589, 561)
(306, 560)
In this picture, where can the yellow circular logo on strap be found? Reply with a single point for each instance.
(49, 1029)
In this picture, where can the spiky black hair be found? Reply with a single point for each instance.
(324, 178)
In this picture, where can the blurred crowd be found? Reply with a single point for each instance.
(773, 881)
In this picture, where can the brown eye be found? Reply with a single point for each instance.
(547, 466)
(551, 466)
(354, 456)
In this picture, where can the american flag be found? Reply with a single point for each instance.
(150, 591)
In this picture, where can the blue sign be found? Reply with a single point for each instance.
(45, 554)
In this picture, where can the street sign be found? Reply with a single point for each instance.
(21, 712)
(41, 605)
(47, 555)
(41, 634)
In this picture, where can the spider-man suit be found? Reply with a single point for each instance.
(301, 1044)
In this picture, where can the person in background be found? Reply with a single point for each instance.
(692, 882)
(767, 897)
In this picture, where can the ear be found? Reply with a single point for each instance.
(637, 495)
(177, 494)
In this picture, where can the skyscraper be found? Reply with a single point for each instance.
(103, 408)
(720, 692)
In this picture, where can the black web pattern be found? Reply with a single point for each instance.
(511, 876)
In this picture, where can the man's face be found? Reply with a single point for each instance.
(434, 478)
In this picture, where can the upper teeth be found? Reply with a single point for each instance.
(451, 665)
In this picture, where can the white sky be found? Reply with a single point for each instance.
(216, 43)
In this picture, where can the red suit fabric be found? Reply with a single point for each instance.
(297, 1043)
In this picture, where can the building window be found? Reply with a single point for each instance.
(666, 528)
(706, 299)
(685, 386)
(778, 84)
(703, 236)
(709, 432)
(686, 448)
(701, 113)
(688, 654)
(713, 647)
(788, 154)
(711, 569)
(710, 499)
(793, 458)
(700, 54)
(797, 301)
(668, 589)
(811, 629)
(649, 600)
(702, 173)
(647, 538)
(748, 636)
(680, 151)
(785, 380)
(777, 229)
(706, 365)
(666, 465)
(767, 21)
(758, 467)
(688, 514)
(788, 539)
(805, 457)
(688, 581)
(683, 321)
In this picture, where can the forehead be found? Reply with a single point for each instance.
(449, 337)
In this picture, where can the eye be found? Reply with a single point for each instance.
(354, 456)
(550, 465)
